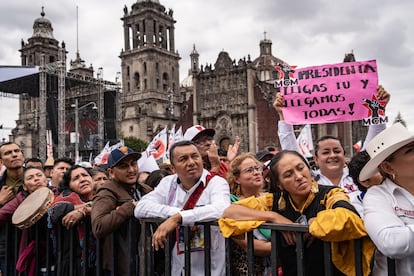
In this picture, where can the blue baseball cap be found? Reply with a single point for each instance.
(119, 154)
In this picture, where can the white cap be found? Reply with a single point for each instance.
(196, 131)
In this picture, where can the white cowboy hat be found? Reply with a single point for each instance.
(383, 145)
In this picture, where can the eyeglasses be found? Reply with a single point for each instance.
(252, 169)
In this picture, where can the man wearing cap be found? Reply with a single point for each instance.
(113, 207)
(203, 138)
(190, 195)
(265, 156)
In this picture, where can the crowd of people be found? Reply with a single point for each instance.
(369, 198)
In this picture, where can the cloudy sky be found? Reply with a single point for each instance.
(304, 33)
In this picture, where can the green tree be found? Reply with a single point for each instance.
(136, 144)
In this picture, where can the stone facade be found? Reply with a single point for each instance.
(150, 71)
(233, 97)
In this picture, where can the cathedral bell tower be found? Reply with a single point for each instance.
(150, 70)
(41, 43)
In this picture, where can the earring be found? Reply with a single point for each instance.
(281, 203)
(393, 177)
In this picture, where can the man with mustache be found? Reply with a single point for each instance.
(113, 207)
(191, 195)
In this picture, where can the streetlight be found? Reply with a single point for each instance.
(77, 108)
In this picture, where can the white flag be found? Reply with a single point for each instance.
(178, 135)
(171, 141)
(117, 145)
(147, 163)
(357, 146)
(158, 145)
(49, 144)
(305, 142)
(102, 157)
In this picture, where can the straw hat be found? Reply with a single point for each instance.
(49, 162)
(383, 145)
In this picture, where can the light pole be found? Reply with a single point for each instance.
(101, 108)
(77, 108)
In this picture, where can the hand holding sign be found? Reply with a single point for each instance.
(383, 95)
(278, 104)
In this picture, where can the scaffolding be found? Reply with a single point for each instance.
(69, 87)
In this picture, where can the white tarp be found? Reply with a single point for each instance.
(14, 72)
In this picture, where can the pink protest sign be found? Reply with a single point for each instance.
(328, 93)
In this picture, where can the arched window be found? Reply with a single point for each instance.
(165, 81)
(145, 68)
(137, 81)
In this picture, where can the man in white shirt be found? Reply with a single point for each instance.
(172, 194)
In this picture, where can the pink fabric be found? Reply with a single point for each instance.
(27, 260)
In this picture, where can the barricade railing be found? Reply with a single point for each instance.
(49, 258)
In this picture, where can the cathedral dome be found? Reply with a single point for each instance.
(42, 27)
(266, 62)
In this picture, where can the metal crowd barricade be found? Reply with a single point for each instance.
(147, 251)
(299, 231)
(141, 233)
